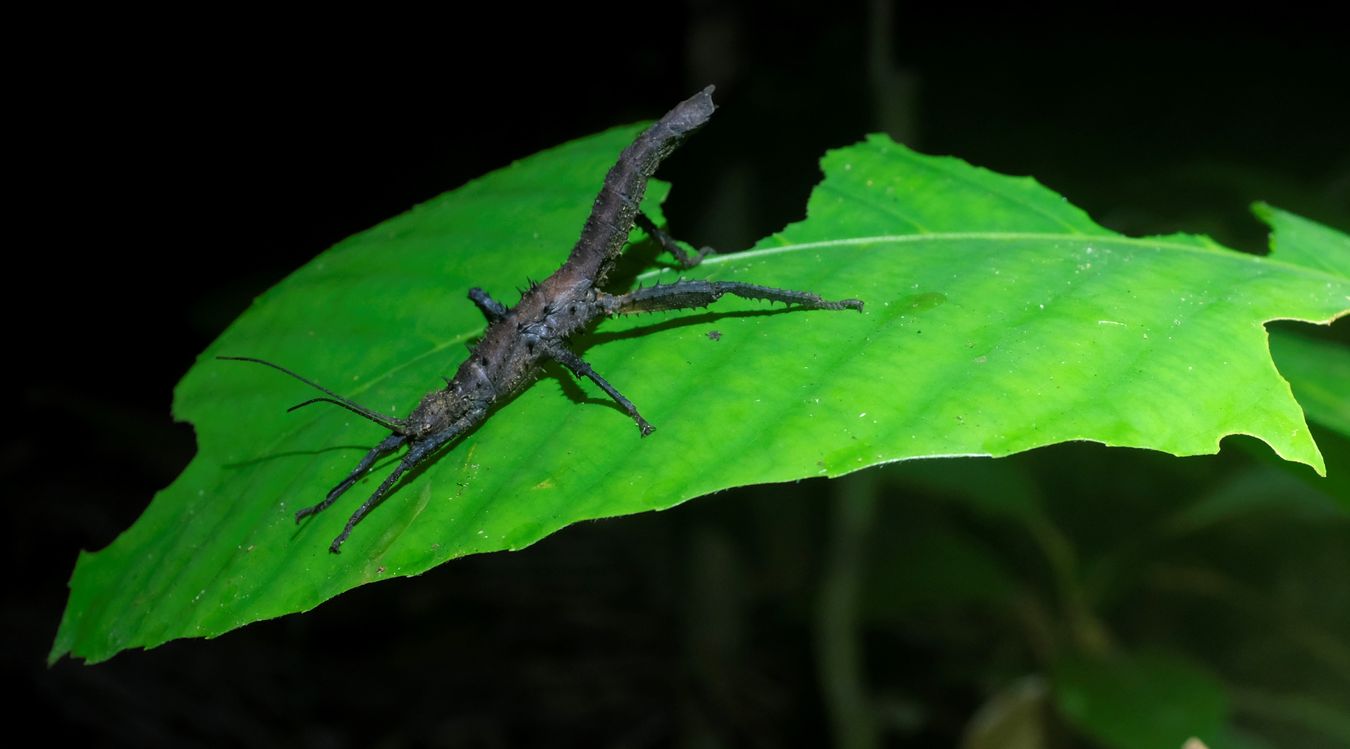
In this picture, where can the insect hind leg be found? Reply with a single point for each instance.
(390, 444)
(669, 243)
(691, 294)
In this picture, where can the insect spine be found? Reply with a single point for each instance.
(519, 339)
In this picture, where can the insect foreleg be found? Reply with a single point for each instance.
(492, 309)
(390, 444)
(419, 451)
(690, 294)
(581, 369)
(669, 243)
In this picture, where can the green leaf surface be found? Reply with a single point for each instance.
(999, 318)
(1319, 372)
(1141, 701)
(1300, 241)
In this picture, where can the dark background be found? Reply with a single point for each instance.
(168, 177)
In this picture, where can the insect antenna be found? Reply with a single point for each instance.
(393, 425)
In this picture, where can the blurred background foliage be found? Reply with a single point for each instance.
(1071, 596)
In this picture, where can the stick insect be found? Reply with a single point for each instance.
(518, 340)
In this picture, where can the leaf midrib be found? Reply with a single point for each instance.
(1143, 242)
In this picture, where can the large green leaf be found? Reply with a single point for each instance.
(999, 318)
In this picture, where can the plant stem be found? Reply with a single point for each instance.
(839, 650)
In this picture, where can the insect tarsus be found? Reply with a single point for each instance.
(519, 339)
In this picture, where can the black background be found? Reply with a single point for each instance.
(171, 169)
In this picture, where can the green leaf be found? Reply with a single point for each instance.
(999, 318)
(1297, 240)
(1319, 372)
(1141, 701)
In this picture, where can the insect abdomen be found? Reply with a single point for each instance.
(611, 218)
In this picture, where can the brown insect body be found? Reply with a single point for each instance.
(508, 356)
(518, 340)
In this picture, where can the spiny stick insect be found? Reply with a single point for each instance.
(519, 339)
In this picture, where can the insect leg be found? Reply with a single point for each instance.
(581, 369)
(690, 294)
(492, 309)
(416, 454)
(390, 444)
(670, 244)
